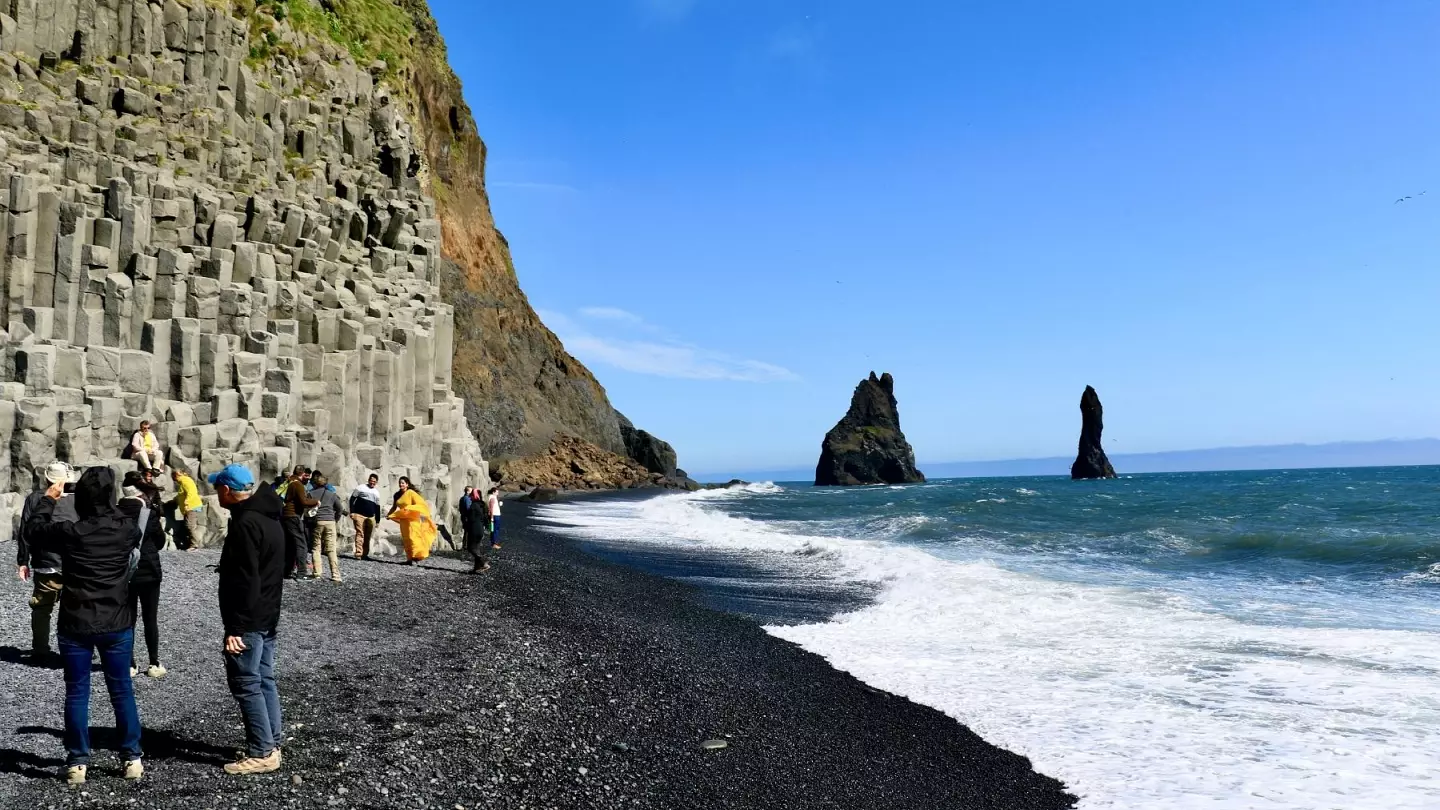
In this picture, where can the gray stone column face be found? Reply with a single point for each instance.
(215, 245)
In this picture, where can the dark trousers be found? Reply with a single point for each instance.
(297, 548)
(145, 603)
(477, 542)
(115, 650)
(251, 675)
(42, 607)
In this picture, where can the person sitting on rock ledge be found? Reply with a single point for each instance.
(417, 527)
(145, 449)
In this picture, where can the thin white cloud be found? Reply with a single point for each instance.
(529, 186)
(611, 314)
(658, 357)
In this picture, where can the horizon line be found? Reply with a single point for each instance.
(1153, 453)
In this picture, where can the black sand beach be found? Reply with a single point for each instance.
(557, 680)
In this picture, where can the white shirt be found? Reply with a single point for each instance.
(494, 503)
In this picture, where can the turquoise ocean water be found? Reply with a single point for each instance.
(1209, 640)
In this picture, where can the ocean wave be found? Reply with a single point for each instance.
(1118, 691)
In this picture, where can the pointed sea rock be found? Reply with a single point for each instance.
(1091, 462)
(867, 447)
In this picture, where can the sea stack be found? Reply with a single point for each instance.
(867, 447)
(1091, 463)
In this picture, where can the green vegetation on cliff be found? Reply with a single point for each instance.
(369, 29)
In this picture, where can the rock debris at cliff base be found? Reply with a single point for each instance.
(555, 681)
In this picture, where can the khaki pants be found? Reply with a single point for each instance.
(149, 459)
(364, 532)
(192, 527)
(42, 605)
(324, 540)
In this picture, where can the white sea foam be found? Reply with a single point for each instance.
(1135, 697)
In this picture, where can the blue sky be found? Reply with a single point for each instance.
(733, 211)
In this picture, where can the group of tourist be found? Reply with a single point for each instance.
(99, 559)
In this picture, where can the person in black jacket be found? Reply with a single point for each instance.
(42, 566)
(145, 584)
(95, 614)
(252, 581)
(475, 520)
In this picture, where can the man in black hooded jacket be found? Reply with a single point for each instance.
(95, 612)
(252, 581)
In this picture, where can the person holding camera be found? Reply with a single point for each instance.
(98, 553)
(42, 566)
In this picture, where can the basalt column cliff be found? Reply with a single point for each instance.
(216, 220)
(262, 226)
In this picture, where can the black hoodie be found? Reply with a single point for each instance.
(252, 565)
(95, 554)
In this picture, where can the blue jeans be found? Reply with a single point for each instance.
(115, 651)
(495, 529)
(251, 675)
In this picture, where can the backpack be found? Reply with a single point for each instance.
(142, 525)
(129, 451)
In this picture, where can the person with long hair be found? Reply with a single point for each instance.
(417, 526)
(140, 498)
(97, 557)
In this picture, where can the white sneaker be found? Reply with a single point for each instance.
(134, 671)
(75, 775)
(157, 671)
(134, 769)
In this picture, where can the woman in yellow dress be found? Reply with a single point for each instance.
(417, 527)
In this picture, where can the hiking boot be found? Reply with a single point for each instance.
(255, 765)
(157, 671)
(337, 579)
(134, 769)
(75, 775)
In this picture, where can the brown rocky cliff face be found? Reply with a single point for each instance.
(521, 387)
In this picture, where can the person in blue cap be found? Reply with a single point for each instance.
(252, 581)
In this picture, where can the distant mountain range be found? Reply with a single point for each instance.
(1390, 453)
